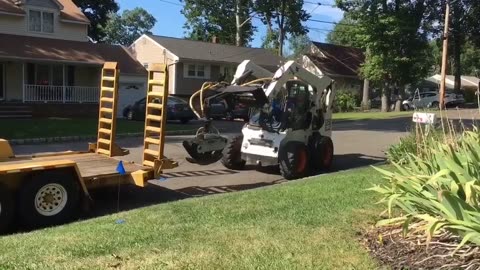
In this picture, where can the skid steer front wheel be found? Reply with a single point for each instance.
(6, 209)
(49, 198)
(293, 160)
(232, 154)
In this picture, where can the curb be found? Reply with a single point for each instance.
(91, 138)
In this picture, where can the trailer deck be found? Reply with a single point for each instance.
(89, 164)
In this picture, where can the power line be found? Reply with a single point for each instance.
(172, 3)
(319, 4)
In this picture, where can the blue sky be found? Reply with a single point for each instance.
(170, 21)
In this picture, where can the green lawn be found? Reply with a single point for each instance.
(370, 115)
(304, 224)
(48, 127)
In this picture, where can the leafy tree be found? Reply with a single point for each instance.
(128, 27)
(282, 18)
(298, 45)
(346, 33)
(217, 18)
(97, 11)
(398, 53)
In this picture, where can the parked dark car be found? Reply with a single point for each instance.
(218, 109)
(177, 109)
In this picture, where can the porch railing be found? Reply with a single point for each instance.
(63, 94)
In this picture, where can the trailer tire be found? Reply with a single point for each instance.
(7, 209)
(49, 198)
(232, 154)
(293, 160)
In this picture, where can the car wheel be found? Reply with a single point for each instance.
(130, 115)
(49, 198)
(406, 107)
(323, 152)
(434, 105)
(229, 116)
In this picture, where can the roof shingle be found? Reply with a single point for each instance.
(214, 52)
(69, 12)
(338, 60)
(45, 49)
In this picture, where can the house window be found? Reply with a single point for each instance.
(192, 71)
(40, 21)
(43, 74)
(199, 71)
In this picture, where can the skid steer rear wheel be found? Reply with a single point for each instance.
(322, 153)
(6, 209)
(293, 160)
(49, 198)
(232, 154)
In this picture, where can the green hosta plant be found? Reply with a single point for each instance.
(439, 186)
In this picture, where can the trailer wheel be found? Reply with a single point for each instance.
(232, 154)
(49, 198)
(322, 155)
(7, 209)
(293, 160)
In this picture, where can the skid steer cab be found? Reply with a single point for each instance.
(290, 127)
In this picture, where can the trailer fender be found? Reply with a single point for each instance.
(32, 166)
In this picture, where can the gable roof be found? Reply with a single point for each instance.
(66, 51)
(214, 52)
(335, 60)
(69, 11)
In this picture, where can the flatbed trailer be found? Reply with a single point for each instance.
(49, 189)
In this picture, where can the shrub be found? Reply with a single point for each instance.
(438, 187)
(345, 101)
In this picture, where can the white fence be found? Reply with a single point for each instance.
(64, 94)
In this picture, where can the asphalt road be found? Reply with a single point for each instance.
(357, 144)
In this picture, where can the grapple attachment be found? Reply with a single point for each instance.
(207, 146)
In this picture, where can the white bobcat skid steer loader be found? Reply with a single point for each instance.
(208, 144)
(292, 127)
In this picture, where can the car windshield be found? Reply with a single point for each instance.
(173, 101)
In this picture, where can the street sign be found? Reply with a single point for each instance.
(424, 118)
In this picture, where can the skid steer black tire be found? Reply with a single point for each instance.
(63, 191)
(232, 154)
(7, 209)
(321, 157)
(293, 160)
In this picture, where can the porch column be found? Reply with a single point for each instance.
(23, 82)
(64, 86)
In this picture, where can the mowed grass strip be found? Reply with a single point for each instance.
(350, 116)
(54, 127)
(305, 224)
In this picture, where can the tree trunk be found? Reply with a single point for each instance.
(457, 52)
(238, 36)
(385, 99)
(366, 95)
(281, 28)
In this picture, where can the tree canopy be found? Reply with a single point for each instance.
(216, 18)
(97, 11)
(126, 28)
(397, 51)
(282, 18)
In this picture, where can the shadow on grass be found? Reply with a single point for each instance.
(112, 200)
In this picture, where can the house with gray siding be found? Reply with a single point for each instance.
(191, 63)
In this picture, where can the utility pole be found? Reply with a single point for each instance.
(444, 56)
(238, 36)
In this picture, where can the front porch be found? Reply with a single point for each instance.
(47, 82)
